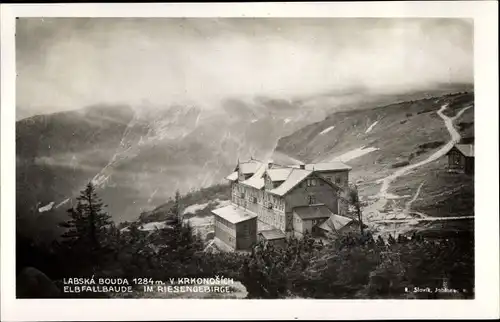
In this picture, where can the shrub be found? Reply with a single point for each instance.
(400, 164)
(431, 145)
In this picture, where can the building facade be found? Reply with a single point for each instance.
(292, 199)
(235, 228)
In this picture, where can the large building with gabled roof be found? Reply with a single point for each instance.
(293, 199)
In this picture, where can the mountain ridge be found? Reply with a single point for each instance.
(140, 157)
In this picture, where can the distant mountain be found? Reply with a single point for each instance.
(139, 156)
(22, 113)
(56, 154)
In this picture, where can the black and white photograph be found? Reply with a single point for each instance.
(249, 158)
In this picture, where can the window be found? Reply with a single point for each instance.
(337, 180)
(242, 195)
(311, 199)
(254, 200)
(270, 206)
(311, 182)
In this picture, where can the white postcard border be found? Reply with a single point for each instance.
(485, 305)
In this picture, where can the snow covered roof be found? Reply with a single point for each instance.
(233, 214)
(313, 212)
(257, 180)
(279, 174)
(328, 166)
(296, 176)
(272, 234)
(250, 167)
(466, 149)
(335, 223)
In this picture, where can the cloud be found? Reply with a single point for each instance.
(68, 63)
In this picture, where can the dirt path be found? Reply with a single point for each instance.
(376, 216)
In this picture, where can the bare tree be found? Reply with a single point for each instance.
(353, 199)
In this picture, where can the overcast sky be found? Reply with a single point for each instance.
(67, 63)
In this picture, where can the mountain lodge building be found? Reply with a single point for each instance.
(288, 200)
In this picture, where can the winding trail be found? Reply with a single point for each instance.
(375, 214)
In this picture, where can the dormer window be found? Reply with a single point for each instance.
(311, 182)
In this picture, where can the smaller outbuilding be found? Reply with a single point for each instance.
(272, 236)
(461, 158)
(235, 227)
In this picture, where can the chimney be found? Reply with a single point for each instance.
(302, 166)
(269, 164)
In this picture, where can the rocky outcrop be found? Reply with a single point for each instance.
(32, 283)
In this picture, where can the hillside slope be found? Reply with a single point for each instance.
(408, 138)
(55, 155)
(396, 151)
(138, 157)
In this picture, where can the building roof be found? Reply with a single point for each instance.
(296, 176)
(257, 180)
(328, 166)
(272, 234)
(233, 176)
(466, 149)
(233, 214)
(290, 176)
(279, 174)
(313, 212)
(250, 167)
(335, 223)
